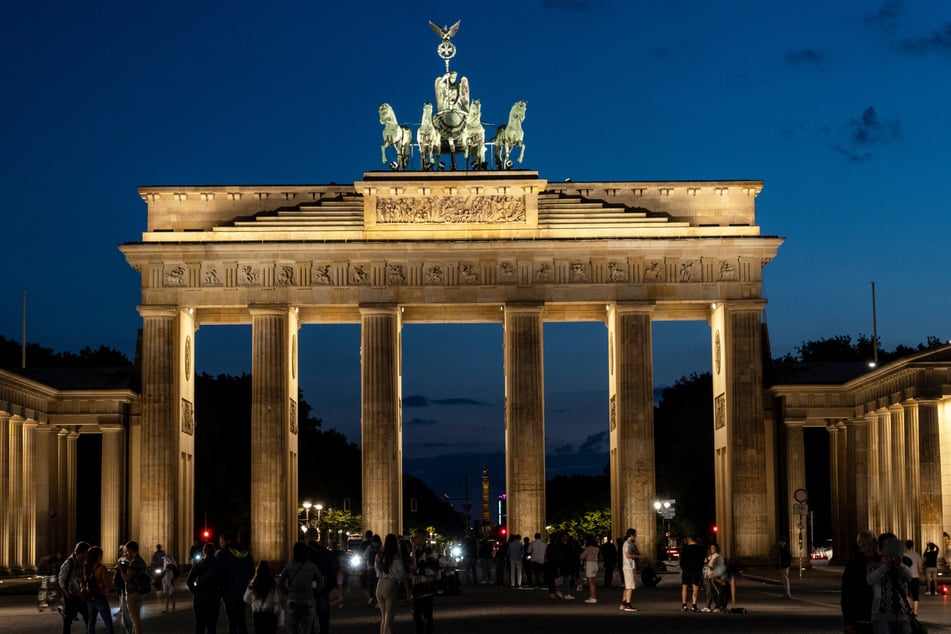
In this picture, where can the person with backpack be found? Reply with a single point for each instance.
(69, 579)
(94, 588)
(137, 583)
(207, 596)
(321, 556)
(300, 580)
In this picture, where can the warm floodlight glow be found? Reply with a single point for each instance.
(872, 364)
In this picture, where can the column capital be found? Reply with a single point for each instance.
(741, 305)
(378, 309)
(633, 307)
(523, 307)
(274, 310)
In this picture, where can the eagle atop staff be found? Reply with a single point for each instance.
(446, 32)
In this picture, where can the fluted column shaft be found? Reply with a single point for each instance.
(271, 411)
(28, 547)
(16, 508)
(631, 423)
(381, 421)
(524, 419)
(70, 469)
(930, 503)
(155, 503)
(113, 477)
(5, 524)
(843, 506)
(797, 535)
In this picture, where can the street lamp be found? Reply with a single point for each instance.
(319, 507)
(665, 508)
(306, 506)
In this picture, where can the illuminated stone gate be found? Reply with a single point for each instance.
(425, 247)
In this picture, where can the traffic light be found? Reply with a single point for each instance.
(503, 531)
(206, 535)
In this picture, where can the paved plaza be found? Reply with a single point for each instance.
(814, 608)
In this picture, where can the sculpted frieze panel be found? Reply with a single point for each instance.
(292, 413)
(212, 274)
(285, 275)
(544, 272)
(434, 274)
(451, 210)
(579, 272)
(360, 274)
(728, 271)
(507, 272)
(469, 274)
(175, 275)
(188, 417)
(689, 271)
(654, 271)
(250, 274)
(719, 411)
(617, 272)
(395, 274)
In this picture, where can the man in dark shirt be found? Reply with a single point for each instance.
(691, 566)
(609, 557)
(856, 592)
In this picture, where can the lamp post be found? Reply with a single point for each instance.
(319, 507)
(665, 508)
(306, 506)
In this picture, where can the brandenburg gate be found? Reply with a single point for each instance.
(401, 247)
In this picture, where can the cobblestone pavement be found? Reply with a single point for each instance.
(814, 608)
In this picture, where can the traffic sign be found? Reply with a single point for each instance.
(800, 509)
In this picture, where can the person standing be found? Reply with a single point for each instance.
(96, 585)
(783, 562)
(515, 561)
(889, 578)
(390, 574)
(912, 561)
(136, 578)
(552, 567)
(264, 597)
(930, 562)
(207, 596)
(233, 568)
(691, 572)
(589, 559)
(169, 575)
(69, 578)
(425, 568)
(609, 558)
(299, 581)
(537, 553)
(856, 594)
(713, 568)
(321, 556)
(629, 556)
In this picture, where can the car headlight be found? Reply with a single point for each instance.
(356, 561)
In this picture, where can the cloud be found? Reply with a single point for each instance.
(805, 57)
(418, 400)
(866, 131)
(887, 15)
(421, 421)
(939, 41)
(595, 443)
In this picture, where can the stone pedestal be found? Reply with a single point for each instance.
(524, 420)
(631, 421)
(381, 424)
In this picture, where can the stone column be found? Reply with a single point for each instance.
(70, 472)
(841, 499)
(796, 536)
(5, 528)
(858, 470)
(112, 486)
(30, 554)
(16, 509)
(631, 423)
(155, 503)
(898, 509)
(930, 503)
(45, 475)
(272, 405)
(745, 509)
(875, 483)
(381, 424)
(911, 522)
(524, 419)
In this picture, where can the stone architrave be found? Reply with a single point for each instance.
(631, 424)
(524, 419)
(382, 425)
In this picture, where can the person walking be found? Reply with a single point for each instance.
(390, 574)
(609, 559)
(589, 559)
(69, 578)
(321, 556)
(137, 582)
(889, 577)
(425, 569)
(264, 597)
(299, 580)
(783, 562)
(629, 557)
(691, 572)
(912, 561)
(169, 575)
(95, 587)
(206, 601)
(856, 593)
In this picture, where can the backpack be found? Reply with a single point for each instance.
(88, 586)
(143, 582)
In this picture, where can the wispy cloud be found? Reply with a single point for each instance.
(418, 400)
(938, 42)
(805, 57)
(421, 421)
(866, 131)
(595, 443)
(887, 14)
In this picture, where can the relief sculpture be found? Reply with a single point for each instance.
(451, 210)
